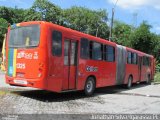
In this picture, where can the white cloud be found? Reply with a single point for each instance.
(136, 4)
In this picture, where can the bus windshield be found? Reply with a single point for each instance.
(24, 36)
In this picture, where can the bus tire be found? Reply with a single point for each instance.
(89, 86)
(148, 80)
(129, 84)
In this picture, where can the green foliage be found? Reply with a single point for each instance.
(12, 15)
(44, 10)
(3, 29)
(18, 15)
(7, 14)
(87, 21)
(158, 67)
(157, 77)
(139, 38)
(142, 39)
(121, 33)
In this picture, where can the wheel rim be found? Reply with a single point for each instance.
(89, 86)
(129, 82)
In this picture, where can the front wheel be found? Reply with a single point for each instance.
(89, 86)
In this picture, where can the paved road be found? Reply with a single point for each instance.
(19, 100)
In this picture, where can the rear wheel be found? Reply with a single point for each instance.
(148, 80)
(129, 84)
(89, 86)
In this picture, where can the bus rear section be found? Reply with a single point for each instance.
(25, 55)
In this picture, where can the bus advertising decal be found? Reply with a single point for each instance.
(12, 62)
(22, 54)
(91, 69)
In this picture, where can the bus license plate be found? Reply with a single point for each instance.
(22, 82)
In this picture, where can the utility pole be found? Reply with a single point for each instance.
(110, 36)
(112, 19)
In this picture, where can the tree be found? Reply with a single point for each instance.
(121, 33)
(12, 15)
(156, 50)
(18, 15)
(3, 29)
(7, 14)
(87, 21)
(142, 39)
(43, 10)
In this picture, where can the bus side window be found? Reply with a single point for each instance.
(144, 60)
(129, 60)
(56, 43)
(104, 52)
(110, 51)
(90, 49)
(97, 51)
(134, 58)
(84, 48)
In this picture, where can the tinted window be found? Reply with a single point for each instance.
(97, 51)
(146, 61)
(56, 43)
(73, 53)
(66, 52)
(90, 49)
(110, 53)
(129, 58)
(134, 58)
(84, 48)
(104, 52)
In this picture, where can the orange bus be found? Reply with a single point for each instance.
(51, 57)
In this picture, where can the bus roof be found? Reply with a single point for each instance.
(77, 33)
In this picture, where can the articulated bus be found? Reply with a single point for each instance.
(51, 57)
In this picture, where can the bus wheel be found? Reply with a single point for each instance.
(89, 86)
(129, 84)
(148, 80)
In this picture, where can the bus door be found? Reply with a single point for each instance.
(70, 64)
(140, 68)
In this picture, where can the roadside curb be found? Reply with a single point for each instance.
(137, 94)
(155, 83)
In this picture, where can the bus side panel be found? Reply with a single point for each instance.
(133, 71)
(105, 73)
(146, 70)
(82, 75)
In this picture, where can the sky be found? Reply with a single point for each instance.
(132, 12)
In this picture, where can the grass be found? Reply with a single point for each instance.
(157, 77)
(2, 92)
